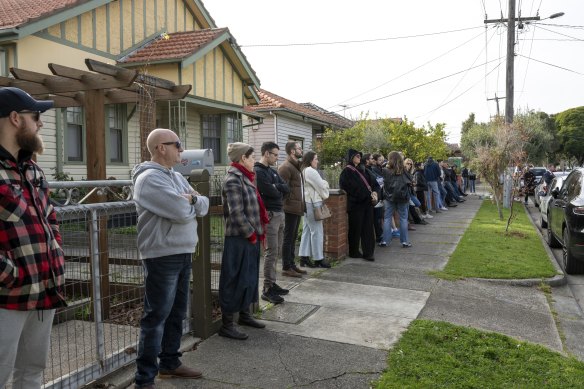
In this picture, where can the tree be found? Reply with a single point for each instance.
(570, 125)
(468, 124)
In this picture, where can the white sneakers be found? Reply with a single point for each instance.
(443, 209)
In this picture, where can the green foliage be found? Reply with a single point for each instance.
(383, 136)
(570, 125)
(433, 354)
(468, 123)
(487, 251)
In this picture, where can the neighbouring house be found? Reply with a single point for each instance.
(174, 40)
(281, 120)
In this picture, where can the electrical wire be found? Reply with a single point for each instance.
(559, 33)
(461, 94)
(408, 72)
(417, 86)
(552, 65)
(362, 40)
(561, 25)
(527, 66)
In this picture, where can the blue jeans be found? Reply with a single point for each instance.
(433, 189)
(402, 210)
(415, 200)
(166, 295)
(472, 186)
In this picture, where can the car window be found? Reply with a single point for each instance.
(572, 186)
(538, 171)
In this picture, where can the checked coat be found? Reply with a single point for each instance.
(31, 258)
(241, 209)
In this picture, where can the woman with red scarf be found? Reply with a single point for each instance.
(245, 219)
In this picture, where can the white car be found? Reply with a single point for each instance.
(546, 196)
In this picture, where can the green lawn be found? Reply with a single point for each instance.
(487, 251)
(441, 355)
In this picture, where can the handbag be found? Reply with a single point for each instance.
(322, 212)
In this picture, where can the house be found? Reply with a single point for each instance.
(175, 40)
(280, 120)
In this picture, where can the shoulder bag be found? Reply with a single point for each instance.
(322, 212)
(374, 197)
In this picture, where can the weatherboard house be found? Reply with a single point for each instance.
(176, 41)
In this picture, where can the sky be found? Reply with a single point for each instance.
(426, 60)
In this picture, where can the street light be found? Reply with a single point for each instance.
(556, 15)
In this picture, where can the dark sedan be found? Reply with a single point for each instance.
(566, 221)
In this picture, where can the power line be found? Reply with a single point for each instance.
(560, 25)
(552, 65)
(527, 66)
(361, 41)
(559, 33)
(408, 72)
(419, 85)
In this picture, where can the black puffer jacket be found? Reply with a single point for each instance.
(420, 184)
(358, 195)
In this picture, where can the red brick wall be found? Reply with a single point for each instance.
(335, 227)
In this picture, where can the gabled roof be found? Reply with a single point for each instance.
(272, 102)
(178, 46)
(14, 13)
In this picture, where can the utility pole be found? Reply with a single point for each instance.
(497, 101)
(345, 106)
(509, 80)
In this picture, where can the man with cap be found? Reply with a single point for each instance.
(31, 258)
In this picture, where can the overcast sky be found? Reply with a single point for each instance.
(398, 46)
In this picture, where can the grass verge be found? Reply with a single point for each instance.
(440, 355)
(487, 251)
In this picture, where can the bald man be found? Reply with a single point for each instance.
(167, 208)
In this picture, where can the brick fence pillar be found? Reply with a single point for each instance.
(335, 227)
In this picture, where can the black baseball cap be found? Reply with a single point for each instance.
(15, 99)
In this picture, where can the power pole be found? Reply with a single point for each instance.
(497, 101)
(509, 80)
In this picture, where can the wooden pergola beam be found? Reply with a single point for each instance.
(93, 80)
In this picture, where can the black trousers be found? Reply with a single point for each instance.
(361, 232)
(291, 225)
(421, 195)
(378, 223)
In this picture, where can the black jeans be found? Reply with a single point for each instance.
(291, 225)
(361, 231)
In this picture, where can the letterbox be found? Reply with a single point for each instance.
(195, 159)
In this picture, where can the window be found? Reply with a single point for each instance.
(3, 65)
(74, 135)
(211, 125)
(116, 122)
(233, 131)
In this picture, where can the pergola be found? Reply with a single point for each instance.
(102, 84)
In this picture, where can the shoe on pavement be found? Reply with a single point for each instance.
(279, 290)
(428, 216)
(246, 319)
(382, 244)
(443, 209)
(411, 228)
(322, 263)
(405, 245)
(358, 255)
(370, 259)
(291, 273)
(305, 261)
(148, 386)
(271, 296)
(180, 372)
(298, 270)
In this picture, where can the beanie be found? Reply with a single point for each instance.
(236, 150)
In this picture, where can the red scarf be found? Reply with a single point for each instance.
(264, 218)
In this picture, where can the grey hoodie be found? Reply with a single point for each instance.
(167, 223)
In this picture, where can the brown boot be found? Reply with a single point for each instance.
(298, 270)
(180, 372)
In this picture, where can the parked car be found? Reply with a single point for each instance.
(565, 217)
(541, 189)
(545, 195)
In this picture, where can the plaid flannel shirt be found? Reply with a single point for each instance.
(241, 209)
(31, 258)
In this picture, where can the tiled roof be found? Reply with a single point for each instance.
(14, 13)
(270, 101)
(179, 45)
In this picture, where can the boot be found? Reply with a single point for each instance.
(246, 319)
(228, 328)
(305, 261)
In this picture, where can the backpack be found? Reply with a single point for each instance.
(397, 189)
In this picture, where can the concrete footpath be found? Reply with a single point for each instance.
(337, 325)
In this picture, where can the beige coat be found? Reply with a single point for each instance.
(315, 188)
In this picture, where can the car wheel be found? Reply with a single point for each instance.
(542, 222)
(571, 265)
(551, 239)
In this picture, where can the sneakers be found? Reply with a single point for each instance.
(443, 208)
(395, 233)
(271, 296)
(428, 216)
(382, 244)
(291, 273)
(279, 290)
(405, 245)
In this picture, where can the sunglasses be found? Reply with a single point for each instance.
(36, 117)
(177, 143)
